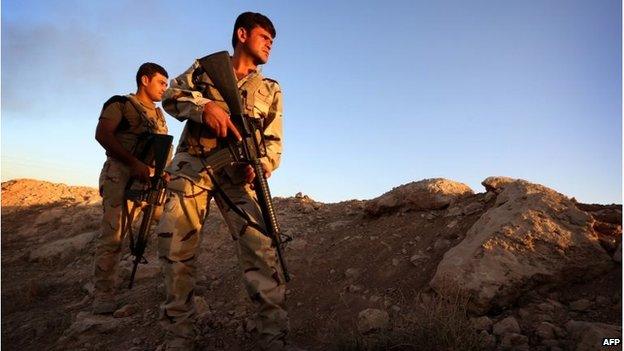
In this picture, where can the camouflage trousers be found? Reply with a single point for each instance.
(179, 231)
(113, 179)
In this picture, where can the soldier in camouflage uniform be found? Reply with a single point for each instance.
(193, 99)
(122, 120)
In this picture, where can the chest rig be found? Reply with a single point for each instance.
(201, 141)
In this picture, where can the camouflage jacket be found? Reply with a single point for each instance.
(185, 100)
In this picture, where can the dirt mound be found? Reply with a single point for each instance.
(345, 263)
(30, 192)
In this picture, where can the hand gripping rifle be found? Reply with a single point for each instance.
(155, 151)
(219, 69)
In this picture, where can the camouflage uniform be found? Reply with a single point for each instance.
(134, 118)
(189, 193)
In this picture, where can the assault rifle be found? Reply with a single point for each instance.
(154, 151)
(219, 69)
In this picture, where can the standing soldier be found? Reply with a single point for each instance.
(122, 121)
(193, 99)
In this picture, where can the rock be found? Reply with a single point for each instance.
(86, 323)
(250, 325)
(306, 207)
(543, 317)
(496, 184)
(545, 331)
(352, 273)
(602, 300)
(297, 245)
(418, 259)
(441, 244)
(88, 287)
(62, 248)
(505, 326)
(395, 262)
(515, 341)
(354, 288)
(429, 216)
(489, 196)
(482, 323)
(488, 340)
(524, 313)
(371, 320)
(546, 307)
(453, 211)
(589, 336)
(531, 235)
(147, 271)
(50, 215)
(580, 305)
(338, 224)
(551, 343)
(201, 305)
(126, 311)
(472, 208)
(374, 298)
(427, 194)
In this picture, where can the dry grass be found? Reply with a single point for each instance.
(437, 324)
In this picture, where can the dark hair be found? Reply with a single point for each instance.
(249, 20)
(149, 69)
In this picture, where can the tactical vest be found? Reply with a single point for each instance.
(135, 121)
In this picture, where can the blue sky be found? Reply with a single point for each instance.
(376, 93)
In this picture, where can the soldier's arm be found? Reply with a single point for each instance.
(273, 132)
(105, 135)
(184, 100)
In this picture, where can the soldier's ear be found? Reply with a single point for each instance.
(241, 33)
(145, 80)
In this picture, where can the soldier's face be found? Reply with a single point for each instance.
(257, 43)
(155, 87)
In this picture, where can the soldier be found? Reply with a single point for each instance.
(122, 120)
(191, 98)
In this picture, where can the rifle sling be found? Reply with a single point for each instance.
(233, 206)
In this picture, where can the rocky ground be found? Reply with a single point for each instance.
(428, 265)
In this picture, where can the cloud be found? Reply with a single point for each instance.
(42, 63)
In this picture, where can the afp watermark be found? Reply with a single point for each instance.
(610, 341)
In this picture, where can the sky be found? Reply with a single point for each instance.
(376, 93)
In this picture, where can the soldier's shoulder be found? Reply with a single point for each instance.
(115, 99)
(271, 83)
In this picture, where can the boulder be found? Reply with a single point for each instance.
(427, 194)
(63, 247)
(126, 311)
(505, 326)
(496, 184)
(589, 336)
(531, 236)
(371, 320)
(482, 323)
(86, 323)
